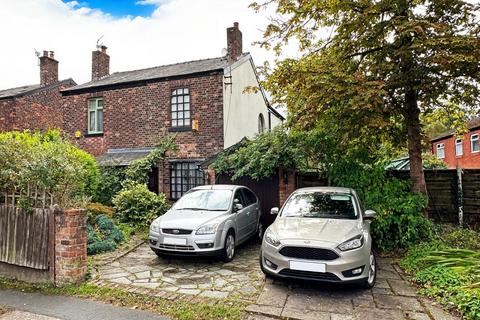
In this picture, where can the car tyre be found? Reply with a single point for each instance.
(228, 252)
(260, 230)
(369, 282)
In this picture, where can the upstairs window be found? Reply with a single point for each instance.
(474, 143)
(440, 150)
(181, 108)
(95, 115)
(458, 147)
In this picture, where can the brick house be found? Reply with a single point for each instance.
(38, 106)
(118, 117)
(456, 151)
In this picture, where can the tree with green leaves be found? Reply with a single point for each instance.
(372, 67)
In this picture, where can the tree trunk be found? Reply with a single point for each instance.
(414, 142)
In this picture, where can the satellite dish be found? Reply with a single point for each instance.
(224, 52)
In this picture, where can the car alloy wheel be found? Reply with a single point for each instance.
(230, 246)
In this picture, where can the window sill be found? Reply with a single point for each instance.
(179, 129)
(88, 135)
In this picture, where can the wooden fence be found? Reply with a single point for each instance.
(24, 237)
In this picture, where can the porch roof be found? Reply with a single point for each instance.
(122, 156)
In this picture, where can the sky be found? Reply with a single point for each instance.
(138, 34)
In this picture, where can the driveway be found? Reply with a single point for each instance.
(392, 297)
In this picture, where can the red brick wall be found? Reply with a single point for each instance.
(138, 116)
(40, 110)
(287, 184)
(468, 160)
(70, 246)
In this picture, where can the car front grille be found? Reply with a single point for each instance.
(176, 231)
(175, 247)
(326, 276)
(309, 253)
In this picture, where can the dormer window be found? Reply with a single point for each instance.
(180, 108)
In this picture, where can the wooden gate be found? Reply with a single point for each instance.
(266, 190)
(25, 237)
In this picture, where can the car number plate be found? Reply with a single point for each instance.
(308, 266)
(177, 241)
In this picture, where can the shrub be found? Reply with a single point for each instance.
(110, 184)
(96, 209)
(400, 221)
(103, 236)
(138, 206)
(46, 161)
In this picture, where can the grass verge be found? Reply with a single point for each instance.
(177, 309)
(448, 269)
(3, 309)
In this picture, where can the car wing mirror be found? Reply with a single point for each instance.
(370, 214)
(274, 211)
(237, 207)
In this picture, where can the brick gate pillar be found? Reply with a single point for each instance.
(70, 246)
(287, 183)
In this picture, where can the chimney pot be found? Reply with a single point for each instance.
(45, 53)
(52, 54)
(104, 49)
(235, 24)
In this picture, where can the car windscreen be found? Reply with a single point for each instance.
(320, 205)
(209, 200)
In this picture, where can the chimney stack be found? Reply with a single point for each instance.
(48, 68)
(234, 43)
(100, 63)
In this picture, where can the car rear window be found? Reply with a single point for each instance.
(320, 205)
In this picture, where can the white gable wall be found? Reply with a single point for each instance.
(241, 110)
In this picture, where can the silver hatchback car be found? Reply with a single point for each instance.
(322, 234)
(207, 221)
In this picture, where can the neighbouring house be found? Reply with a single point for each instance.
(118, 117)
(38, 106)
(464, 151)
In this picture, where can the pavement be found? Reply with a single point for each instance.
(36, 306)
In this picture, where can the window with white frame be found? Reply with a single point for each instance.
(474, 143)
(440, 150)
(95, 115)
(458, 147)
(181, 108)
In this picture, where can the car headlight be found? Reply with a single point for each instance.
(155, 227)
(270, 238)
(207, 229)
(353, 243)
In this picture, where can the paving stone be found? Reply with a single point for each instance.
(402, 288)
(214, 294)
(309, 299)
(362, 303)
(267, 310)
(189, 291)
(114, 275)
(386, 274)
(20, 315)
(143, 275)
(417, 316)
(382, 283)
(259, 317)
(121, 280)
(147, 285)
(225, 272)
(376, 290)
(437, 312)
(397, 302)
(188, 286)
(305, 315)
(273, 295)
(376, 314)
(337, 316)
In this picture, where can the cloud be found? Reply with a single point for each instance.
(177, 30)
(152, 2)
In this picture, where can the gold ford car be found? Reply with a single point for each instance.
(323, 234)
